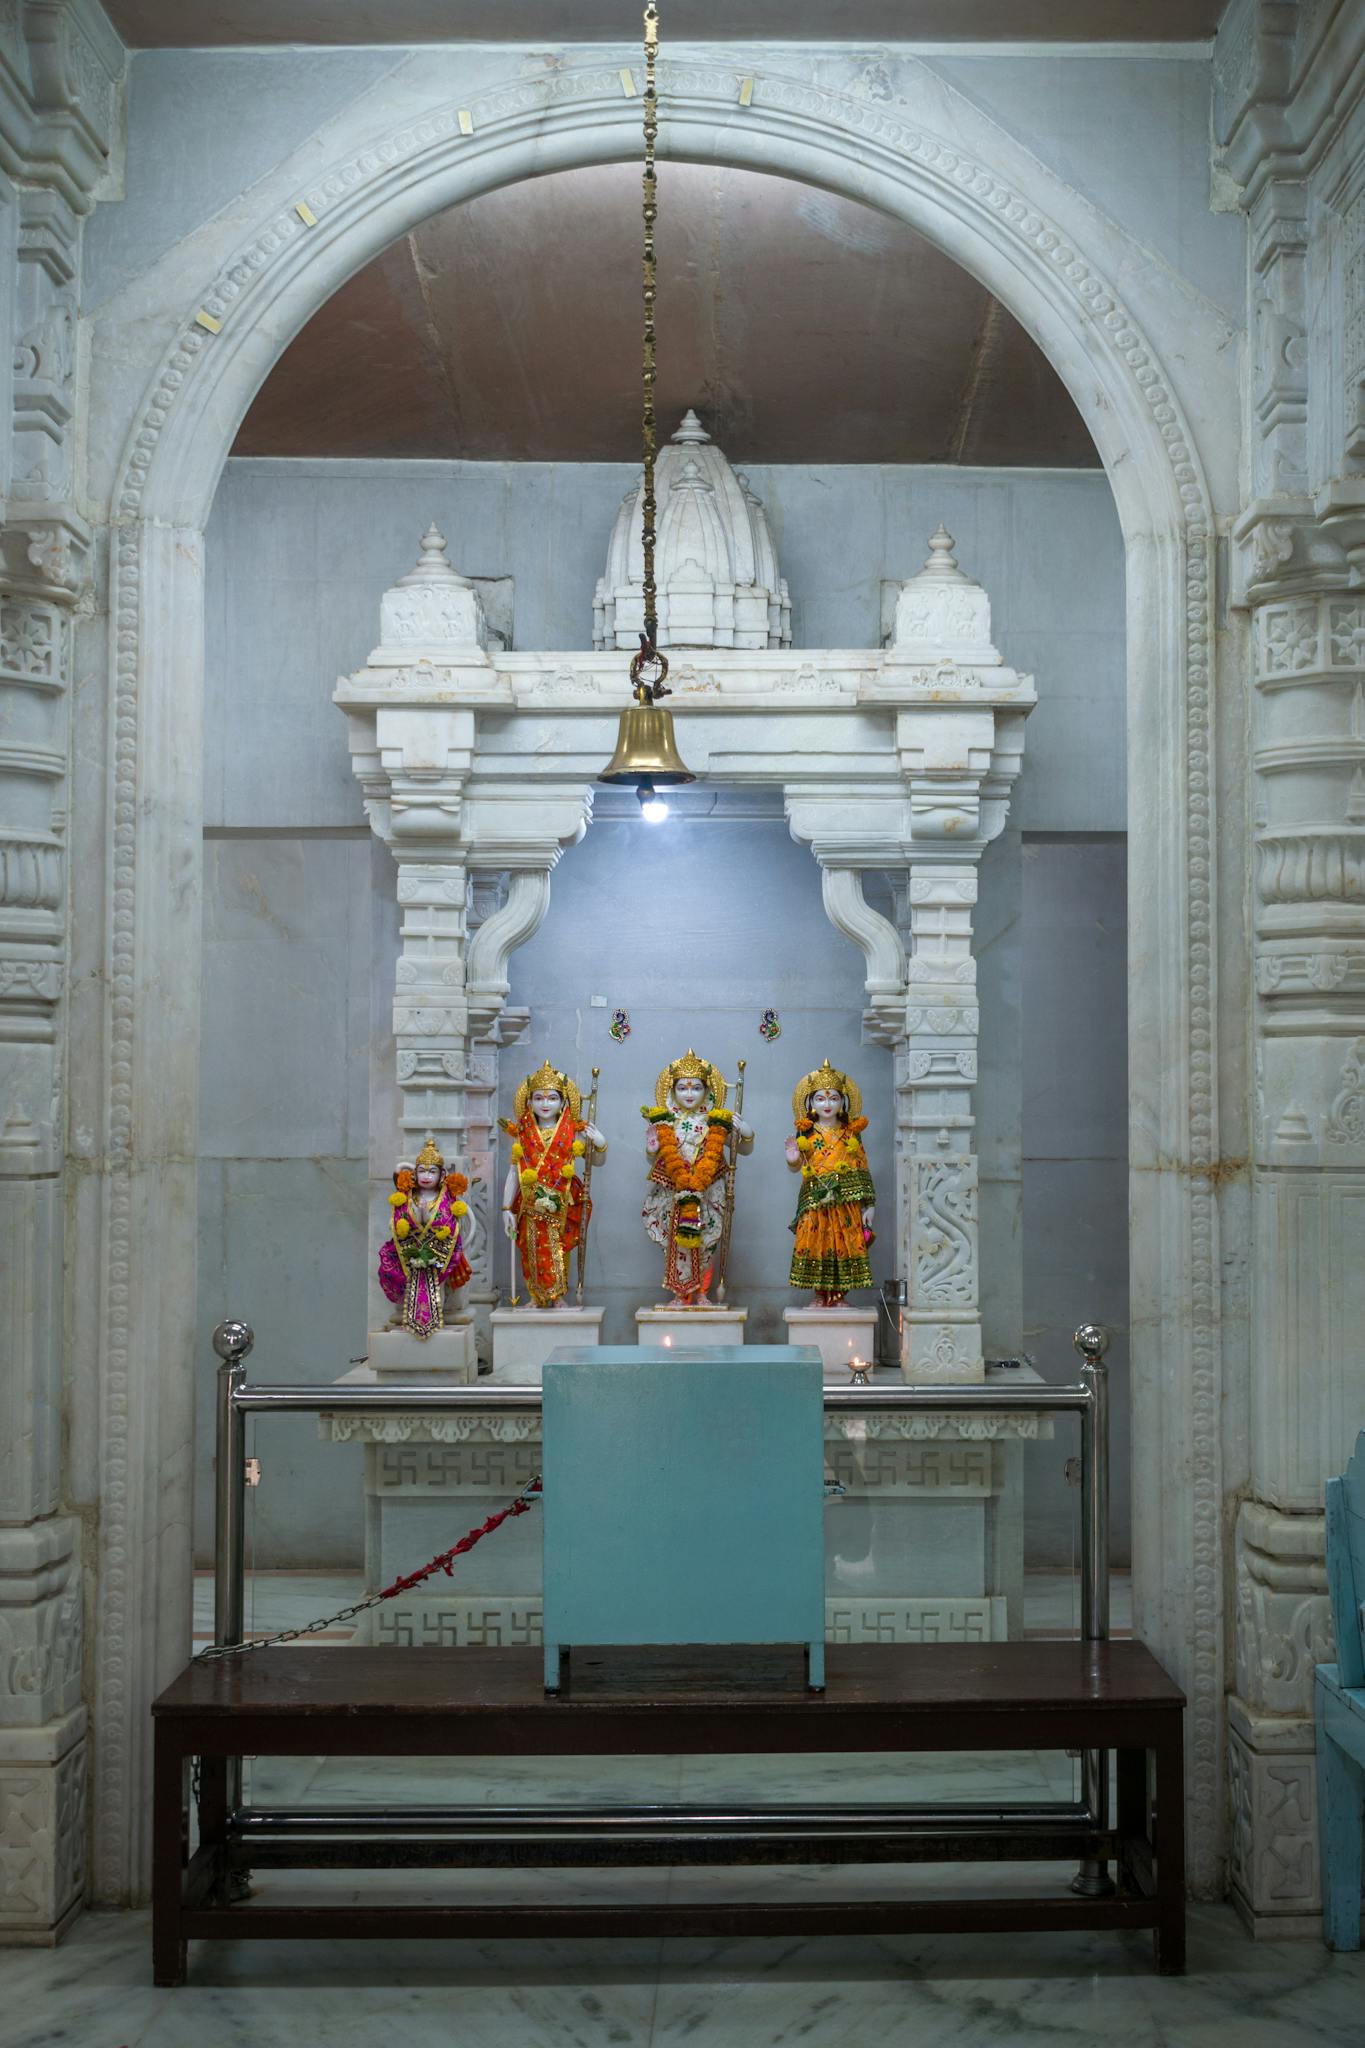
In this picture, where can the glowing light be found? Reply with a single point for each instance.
(653, 807)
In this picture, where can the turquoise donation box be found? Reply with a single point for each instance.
(683, 1497)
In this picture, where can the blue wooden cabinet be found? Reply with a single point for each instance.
(684, 1498)
(1340, 1705)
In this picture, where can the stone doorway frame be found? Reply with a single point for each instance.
(938, 164)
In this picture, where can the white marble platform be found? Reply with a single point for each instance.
(924, 1544)
(447, 1354)
(840, 1334)
(690, 1326)
(523, 1338)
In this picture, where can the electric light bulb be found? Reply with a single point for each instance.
(654, 810)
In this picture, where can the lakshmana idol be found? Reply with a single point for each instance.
(688, 1147)
(835, 1209)
(545, 1208)
(425, 1254)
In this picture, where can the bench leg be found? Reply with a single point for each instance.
(815, 1665)
(553, 1654)
(1341, 1820)
(1133, 1819)
(1169, 1843)
(213, 1813)
(169, 1951)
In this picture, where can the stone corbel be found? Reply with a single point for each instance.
(880, 945)
(497, 938)
(69, 95)
(45, 550)
(945, 808)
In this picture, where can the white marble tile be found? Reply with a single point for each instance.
(947, 1991)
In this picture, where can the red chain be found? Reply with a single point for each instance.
(444, 1562)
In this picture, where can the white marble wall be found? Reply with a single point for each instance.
(301, 929)
(1289, 130)
(1086, 205)
(59, 121)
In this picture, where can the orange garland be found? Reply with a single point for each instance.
(706, 1166)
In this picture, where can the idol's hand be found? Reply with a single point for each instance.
(593, 1137)
(742, 1130)
(869, 1217)
(793, 1152)
(509, 1223)
(651, 1141)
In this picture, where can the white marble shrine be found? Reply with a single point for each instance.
(1232, 430)
(479, 766)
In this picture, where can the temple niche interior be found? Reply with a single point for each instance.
(682, 1065)
(322, 506)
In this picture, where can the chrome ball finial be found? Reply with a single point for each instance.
(1092, 1341)
(232, 1340)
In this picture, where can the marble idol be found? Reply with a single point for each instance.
(425, 1254)
(691, 1143)
(546, 1207)
(835, 1210)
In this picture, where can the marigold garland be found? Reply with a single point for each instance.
(708, 1162)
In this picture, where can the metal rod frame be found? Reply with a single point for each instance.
(1089, 1398)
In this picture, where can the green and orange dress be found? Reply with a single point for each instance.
(830, 1255)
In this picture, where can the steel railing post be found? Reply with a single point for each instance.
(1092, 1880)
(232, 1340)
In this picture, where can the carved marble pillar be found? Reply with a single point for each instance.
(58, 87)
(955, 749)
(43, 1758)
(502, 910)
(474, 861)
(1308, 1210)
(936, 1168)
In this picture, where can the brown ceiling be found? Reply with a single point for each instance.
(200, 23)
(803, 327)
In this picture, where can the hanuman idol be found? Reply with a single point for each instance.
(835, 1210)
(689, 1147)
(545, 1203)
(425, 1253)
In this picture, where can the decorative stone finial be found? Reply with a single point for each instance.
(715, 563)
(690, 430)
(942, 611)
(940, 560)
(433, 565)
(433, 606)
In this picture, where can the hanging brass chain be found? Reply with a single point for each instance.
(647, 423)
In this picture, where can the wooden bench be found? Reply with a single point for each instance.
(467, 1703)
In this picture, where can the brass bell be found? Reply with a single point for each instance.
(646, 751)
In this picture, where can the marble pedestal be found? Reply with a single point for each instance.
(924, 1545)
(710, 1325)
(523, 1338)
(447, 1354)
(839, 1334)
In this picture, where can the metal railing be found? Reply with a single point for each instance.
(1088, 1398)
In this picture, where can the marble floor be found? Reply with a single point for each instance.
(960, 1991)
(1067, 1991)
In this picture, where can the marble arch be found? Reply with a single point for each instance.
(1141, 361)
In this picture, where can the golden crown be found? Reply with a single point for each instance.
(548, 1076)
(430, 1154)
(694, 1068)
(826, 1076)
